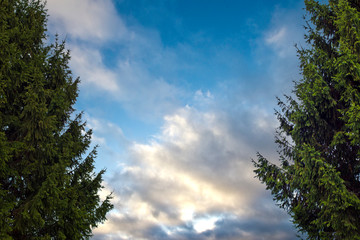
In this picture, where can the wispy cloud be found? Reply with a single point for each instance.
(88, 63)
(132, 78)
(285, 32)
(276, 37)
(90, 20)
(111, 141)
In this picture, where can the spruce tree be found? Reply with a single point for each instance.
(48, 187)
(317, 179)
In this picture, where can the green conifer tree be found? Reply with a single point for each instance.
(318, 178)
(48, 187)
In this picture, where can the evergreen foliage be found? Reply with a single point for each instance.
(318, 178)
(48, 188)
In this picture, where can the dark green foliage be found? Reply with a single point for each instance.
(48, 190)
(318, 179)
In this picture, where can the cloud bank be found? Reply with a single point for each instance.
(194, 181)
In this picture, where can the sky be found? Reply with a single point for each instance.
(181, 95)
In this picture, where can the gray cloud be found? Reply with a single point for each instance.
(252, 229)
(195, 180)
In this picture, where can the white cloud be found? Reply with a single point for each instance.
(203, 98)
(286, 29)
(91, 20)
(132, 78)
(205, 224)
(277, 37)
(195, 172)
(143, 91)
(104, 128)
(281, 41)
(111, 140)
(129, 83)
(89, 65)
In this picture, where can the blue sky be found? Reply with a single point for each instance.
(180, 96)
